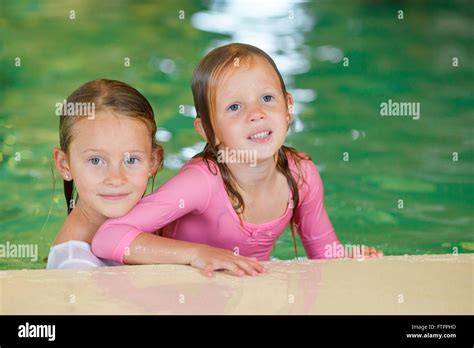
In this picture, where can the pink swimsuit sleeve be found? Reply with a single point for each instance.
(314, 227)
(187, 192)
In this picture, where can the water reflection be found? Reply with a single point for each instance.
(389, 159)
(329, 53)
(176, 160)
(278, 28)
(163, 135)
(165, 65)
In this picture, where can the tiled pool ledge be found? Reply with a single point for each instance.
(423, 284)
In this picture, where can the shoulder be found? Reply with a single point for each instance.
(305, 173)
(301, 165)
(207, 169)
(74, 230)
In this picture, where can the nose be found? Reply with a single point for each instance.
(256, 114)
(115, 176)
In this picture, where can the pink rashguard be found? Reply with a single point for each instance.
(194, 206)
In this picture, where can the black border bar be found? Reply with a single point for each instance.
(193, 330)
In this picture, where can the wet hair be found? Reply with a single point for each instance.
(112, 95)
(205, 81)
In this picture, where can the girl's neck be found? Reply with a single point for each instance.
(251, 179)
(81, 224)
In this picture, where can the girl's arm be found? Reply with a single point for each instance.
(314, 227)
(151, 249)
(185, 193)
(130, 239)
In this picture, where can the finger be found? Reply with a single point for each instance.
(256, 265)
(253, 261)
(368, 251)
(231, 267)
(376, 253)
(247, 267)
(207, 274)
(259, 267)
(208, 271)
(364, 250)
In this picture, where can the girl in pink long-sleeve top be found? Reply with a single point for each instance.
(245, 187)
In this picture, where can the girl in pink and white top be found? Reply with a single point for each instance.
(245, 187)
(107, 155)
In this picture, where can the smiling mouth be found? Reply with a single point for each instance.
(115, 197)
(261, 137)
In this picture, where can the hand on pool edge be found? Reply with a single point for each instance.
(209, 259)
(365, 251)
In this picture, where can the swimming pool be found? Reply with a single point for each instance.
(402, 184)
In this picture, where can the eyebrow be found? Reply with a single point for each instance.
(102, 151)
(92, 150)
(266, 89)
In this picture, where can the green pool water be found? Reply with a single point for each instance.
(388, 159)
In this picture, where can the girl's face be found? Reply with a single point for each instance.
(111, 159)
(251, 110)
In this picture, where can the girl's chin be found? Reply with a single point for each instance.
(116, 212)
(114, 209)
(267, 153)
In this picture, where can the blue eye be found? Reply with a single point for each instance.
(95, 161)
(131, 160)
(234, 107)
(267, 98)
